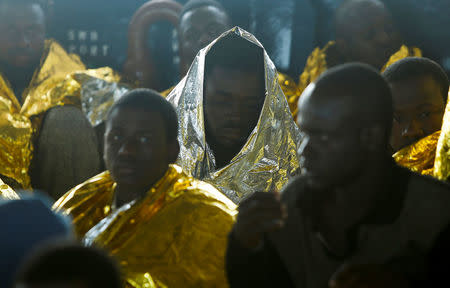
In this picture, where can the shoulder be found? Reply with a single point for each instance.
(95, 187)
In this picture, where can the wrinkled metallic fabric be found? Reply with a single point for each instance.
(420, 156)
(100, 88)
(442, 162)
(174, 237)
(316, 64)
(290, 89)
(48, 88)
(88, 203)
(51, 85)
(269, 156)
(7, 193)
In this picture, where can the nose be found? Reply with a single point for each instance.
(128, 148)
(412, 130)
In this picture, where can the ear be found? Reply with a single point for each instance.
(174, 150)
(373, 138)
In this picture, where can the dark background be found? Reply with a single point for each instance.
(289, 29)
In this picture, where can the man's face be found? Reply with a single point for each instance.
(370, 35)
(418, 110)
(232, 103)
(136, 149)
(22, 34)
(197, 29)
(330, 153)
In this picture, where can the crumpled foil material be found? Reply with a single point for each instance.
(175, 236)
(7, 193)
(420, 156)
(19, 124)
(442, 162)
(52, 85)
(268, 157)
(99, 90)
(316, 64)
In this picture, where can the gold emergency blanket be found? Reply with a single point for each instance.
(420, 156)
(50, 86)
(316, 64)
(269, 156)
(442, 162)
(7, 193)
(174, 237)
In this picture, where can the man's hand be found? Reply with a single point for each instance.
(260, 213)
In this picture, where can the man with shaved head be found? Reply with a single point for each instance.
(364, 32)
(350, 205)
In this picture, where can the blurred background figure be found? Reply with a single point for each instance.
(46, 142)
(26, 224)
(68, 265)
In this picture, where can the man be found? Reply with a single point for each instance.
(419, 93)
(144, 205)
(68, 265)
(46, 142)
(236, 130)
(351, 205)
(364, 32)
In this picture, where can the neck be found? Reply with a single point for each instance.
(125, 193)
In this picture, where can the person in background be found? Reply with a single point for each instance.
(68, 265)
(351, 205)
(143, 196)
(364, 32)
(46, 141)
(236, 130)
(419, 92)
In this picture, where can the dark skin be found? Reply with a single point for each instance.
(22, 39)
(367, 34)
(418, 110)
(136, 154)
(232, 103)
(197, 29)
(332, 140)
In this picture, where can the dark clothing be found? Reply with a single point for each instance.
(397, 236)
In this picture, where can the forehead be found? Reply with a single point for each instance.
(21, 13)
(234, 82)
(324, 113)
(135, 119)
(202, 18)
(416, 91)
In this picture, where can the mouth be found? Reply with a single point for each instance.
(125, 170)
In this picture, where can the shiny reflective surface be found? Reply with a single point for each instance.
(49, 87)
(269, 156)
(420, 156)
(174, 237)
(7, 193)
(442, 162)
